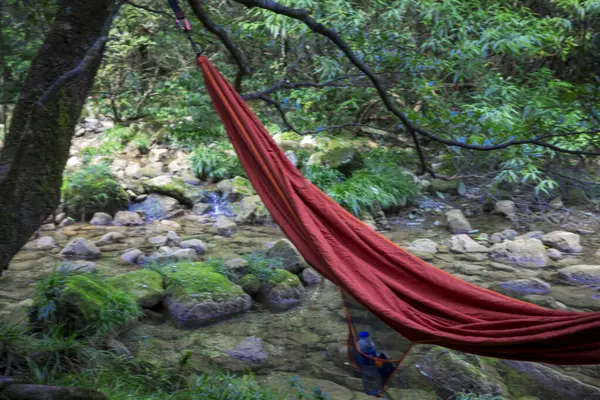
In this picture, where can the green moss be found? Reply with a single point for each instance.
(283, 278)
(250, 284)
(93, 189)
(145, 285)
(242, 186)
(290, 136)
(197, 281)
(518, 383)
(83, 305)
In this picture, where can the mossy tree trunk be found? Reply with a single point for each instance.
(38, 141)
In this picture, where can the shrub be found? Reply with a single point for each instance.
(215, 163)
(263, 267)
(93, 189)
(80, 305)
(322, 176)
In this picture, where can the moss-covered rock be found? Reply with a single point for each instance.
(282, 291)
(145, 285)
(83, 305)
(251, 211)
(577, 197)
(290, 257)
(175, 188)
(91, 190)
(250, 284)
(242, 187)
(442, 186)
(344, 159)
(197, 295)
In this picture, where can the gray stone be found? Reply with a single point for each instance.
(196, 244)
(101, 218)
(200, 208)
(424, 245)
(196, 314)
(496, 238)
(60, 218)
(133, 170)
(566, 242)
(310, 277)
(43, 243)
(292, 157)
(236, 268)
(465, 244)
(173, 238)
(131, 256)
(249, 350)
(291, 258)
(158, 240)
(79, 266)
(580, 274)
(524, 287)
(225, 187)
(225, 226)
(48, 227)
(509, 234)
(173, 187)
(251, 211)
(128, 218)
(81, 248)
(157, 155)
(554, 254)
(280, 297)
(111, 237)
(156, 206)
(506, 208)
(529, 253)
(531, 235)
(184, 255)
(457, 222)
(21, 391)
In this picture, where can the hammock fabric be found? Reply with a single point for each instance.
(419, 301)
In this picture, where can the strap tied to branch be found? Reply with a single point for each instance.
(183, 24)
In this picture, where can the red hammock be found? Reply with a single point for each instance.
(419, 301)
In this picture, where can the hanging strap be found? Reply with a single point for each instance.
(183, 24)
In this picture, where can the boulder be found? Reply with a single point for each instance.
(292, 157)
(173, 238)
(128, 218)
(443, 186)
(249, 350)
(184, 255)
(251, 211)
(577, 197)
(205, 296)
(523, 287)
(496, 238)
(133, 170)
(465, 244)
(81, 248)
(529, 253)
(290, 257)
(506, 208)
(580, 274)
(344, 159)
(196, 244)
(250, 284)
(531, 235)
(566, 242)
(101, 218)
(145, 285)
(22, 391)
(509, 234)
(78, 267)
(457, 222)
(158, 240)
(225, 226)
(236, 268)
(132, 256)
(157, 155)
(310, 277)
(201, 208)
(451, 372)
(554, 254)
(43, 243)
(156, 206)
(176, 188)
(60, 218)
(225, 188)
(282, 291)
(241, 187)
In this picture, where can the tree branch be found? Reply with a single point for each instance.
(238, 56)
(304, 16)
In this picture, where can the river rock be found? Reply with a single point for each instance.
(236, 268)
(156, 206)
(523, 287)
(509, 234)
(111, 237)
(173, 238)
(250, 284)
(465, 244)
(554, 254)
(580, 274)
(128, 218)
(184, 255)
(78, 267)
(158, 240)
(81, 248)
(291, 258)
(251, 211)
(145, 285)
(310, 277)
(225, 226)
(282, 296)
(553, 384)
(566, 242)
(457, 222)
(249, 350)
(176, 188)
(225, 188)
(424, 246)
(101, 218)
(529, 253)
(506, 208)
(157, 155)
(43, 243)
(451, 373)
(196, 244)
(531, 235)
(133, 170)
(200, 208)
(496, 238)
(132, 256)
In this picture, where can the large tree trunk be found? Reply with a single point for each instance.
(37, 145)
